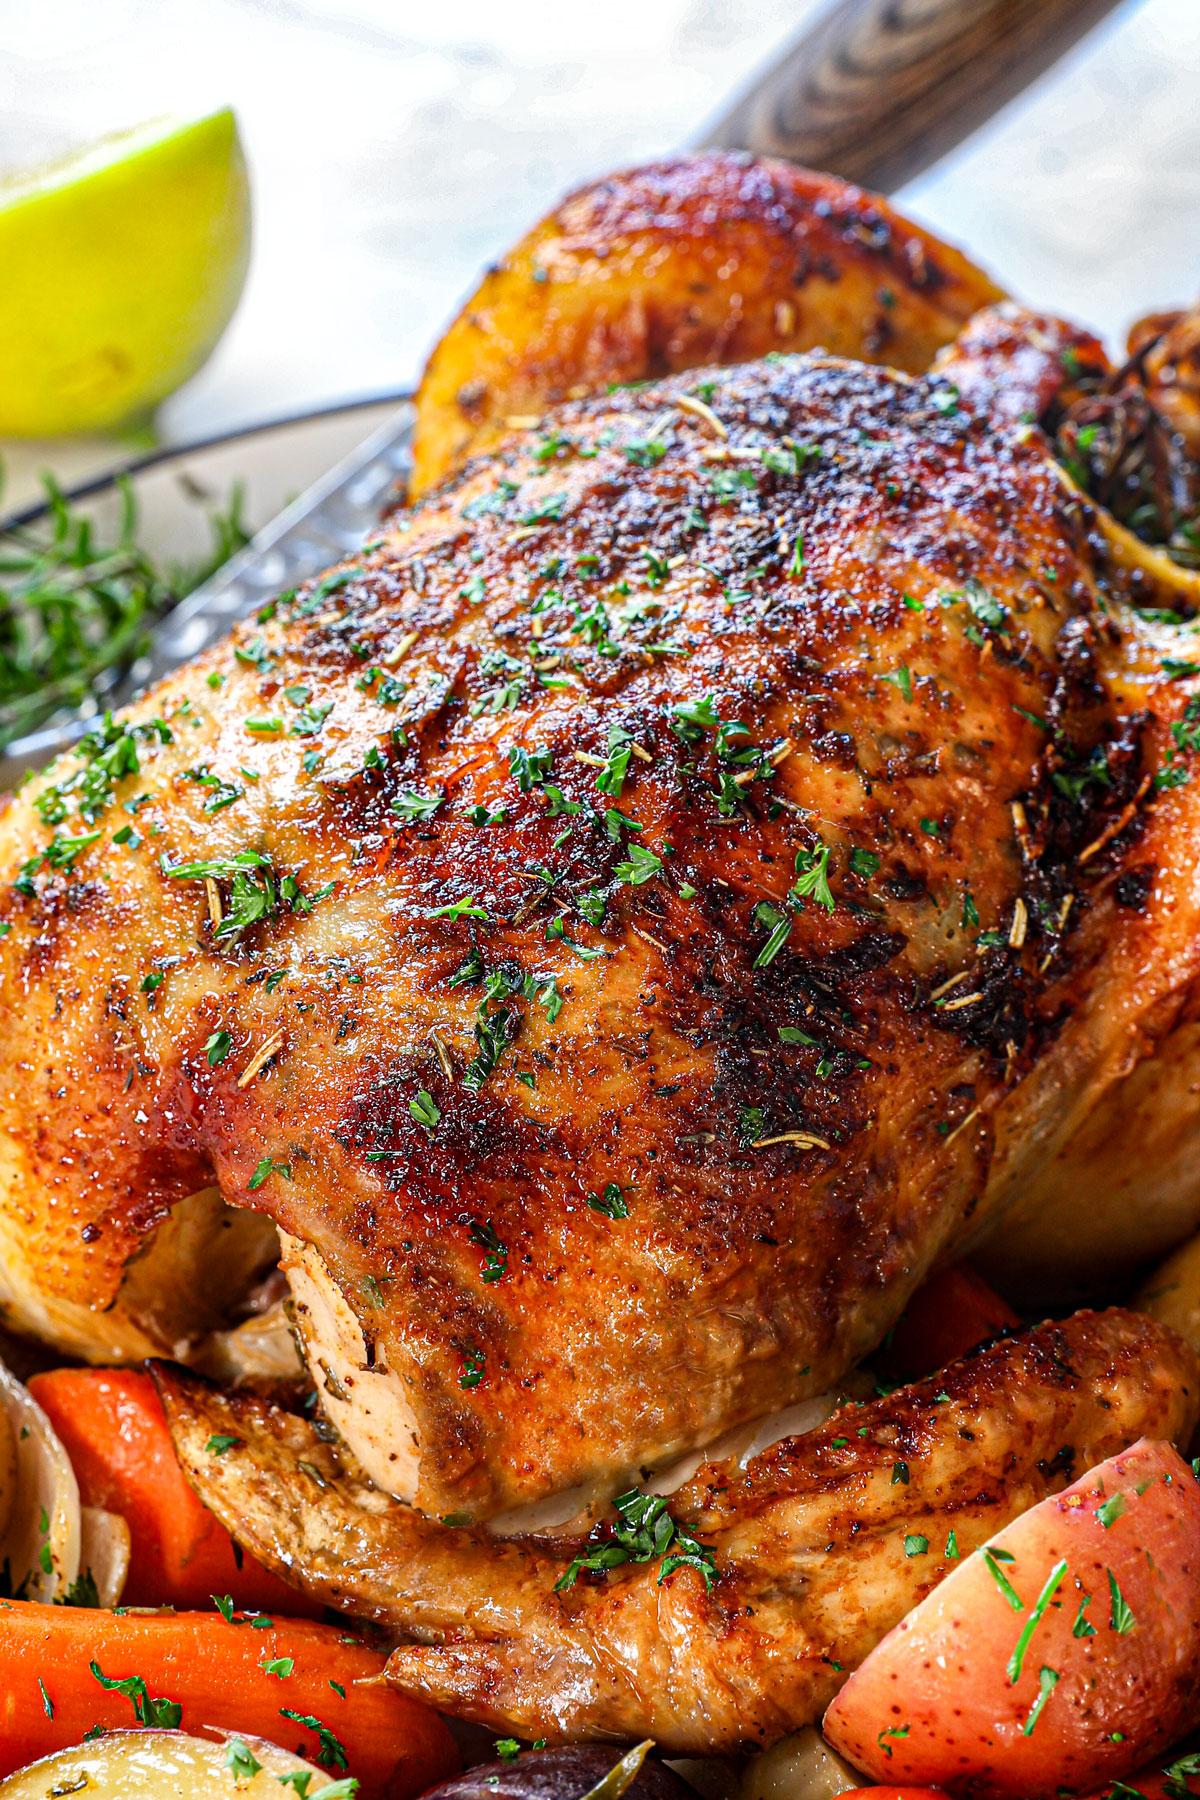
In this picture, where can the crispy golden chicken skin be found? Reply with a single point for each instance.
(712, 258)
(599, 925)
(815, 1545)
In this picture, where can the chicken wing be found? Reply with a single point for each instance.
(817, 1547)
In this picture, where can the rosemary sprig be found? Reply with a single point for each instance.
(75, 610)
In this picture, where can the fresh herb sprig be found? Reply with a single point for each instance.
(76, 604)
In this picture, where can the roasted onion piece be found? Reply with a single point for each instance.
(567, 1772)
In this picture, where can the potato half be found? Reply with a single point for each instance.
(164, 1765)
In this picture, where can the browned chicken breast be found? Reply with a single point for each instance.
(599, 925)
(784, 1570)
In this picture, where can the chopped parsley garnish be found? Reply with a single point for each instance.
(1179, 1773)
(332, 1752)
(645, 1530)
(529, 767)
(1111, 1511)
(491, 1037)
(812, 877)
(779, 924)
(899, 1474)
(256, 892)
(915, 1544)
(549, 508)
(641, 865)
(645, 452)
(473, 1364)
(409, 805)
(109, 754)
(469, 971)
(1052, 1584)
(265, 1169)
(460, 909)
(82, 1591)
(61, 853)
(505, 695)
(147, 1708)
(751, 1126)
(240, 1760)
(217, 1048)
(425, 1110)
(790, 459)
(494, 502)
(1047, 1682)
(690, 719)
(611, 1203)
(218, 1444)
(992, 1563)
(495, 1260)
(730, 484)
(611, 778)
(1074, 783)
(389, 689)
(1120, 1615)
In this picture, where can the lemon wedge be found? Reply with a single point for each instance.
(122, 266)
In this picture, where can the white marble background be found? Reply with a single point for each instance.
(396, 145)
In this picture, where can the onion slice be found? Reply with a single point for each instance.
(104, 1551)
(40, 1542)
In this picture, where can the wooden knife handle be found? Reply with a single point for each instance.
(876, 90)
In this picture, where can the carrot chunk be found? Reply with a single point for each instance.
(314, 1689)
(113, 1430)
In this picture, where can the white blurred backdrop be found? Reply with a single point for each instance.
(396, 145)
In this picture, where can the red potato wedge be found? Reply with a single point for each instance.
(713, 258)
(1063, 1654)
(112, 1426)
(50, 1695)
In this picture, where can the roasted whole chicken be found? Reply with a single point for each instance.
(722, 852)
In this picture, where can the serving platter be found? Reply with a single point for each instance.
(311, 487)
